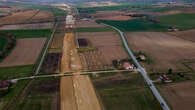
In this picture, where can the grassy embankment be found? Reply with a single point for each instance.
(3, 43)
(129, 93)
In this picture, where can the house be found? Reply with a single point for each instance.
(128, 66)
(4, 85)
(142, 57)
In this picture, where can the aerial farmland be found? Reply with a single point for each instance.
(97, 55)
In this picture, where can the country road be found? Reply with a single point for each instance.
(142, 70)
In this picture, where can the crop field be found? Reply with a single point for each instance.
(187, 35)
(59, 12)
(42, 94)
(183, 21)
(85, 24)
(57, 41)
(29, 6)
(26, 52)
(164, 50)
(9, 73)
(111, 15)
(19, 17)
(42, 17)
(125, 6)
(106, 48)
(125, 91)
(135, 25)
(34, 33)
(51, 63)
(180, 95)
(30, 26)
(3, 43)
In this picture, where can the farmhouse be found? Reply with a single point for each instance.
(142, 57)
(4, 85)
(128, 66)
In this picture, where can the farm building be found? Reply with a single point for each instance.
(142, 57)
(128, 66)
(4, 85)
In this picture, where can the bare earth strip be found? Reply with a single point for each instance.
(84, 94)
(68, 101)
(181, 95)
(26, 52)
(27, 26)
(166, 51)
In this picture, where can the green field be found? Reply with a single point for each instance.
(159, 9)
(124, 6)
(58, 12)
(29, 5)
(182, 21)
(40, 95)
(135, 25)
(15, 72)
(94, 29)
(10, 73)
(29, 33)
(126, 94)
(3, 43)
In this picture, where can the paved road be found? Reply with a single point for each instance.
(45, 50)
(69, 74)
(142, 71)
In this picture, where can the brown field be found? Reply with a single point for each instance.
(19, 17)
(187, 35)
(108, 48)
(26, 52)
(164, 50)
(57, 41)
(10, 10)
(48, 25)
(42, 17)
(99, 4)
(91, 23)
(180, 96)
(111, 15)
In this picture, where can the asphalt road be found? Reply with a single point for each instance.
(142, 71)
